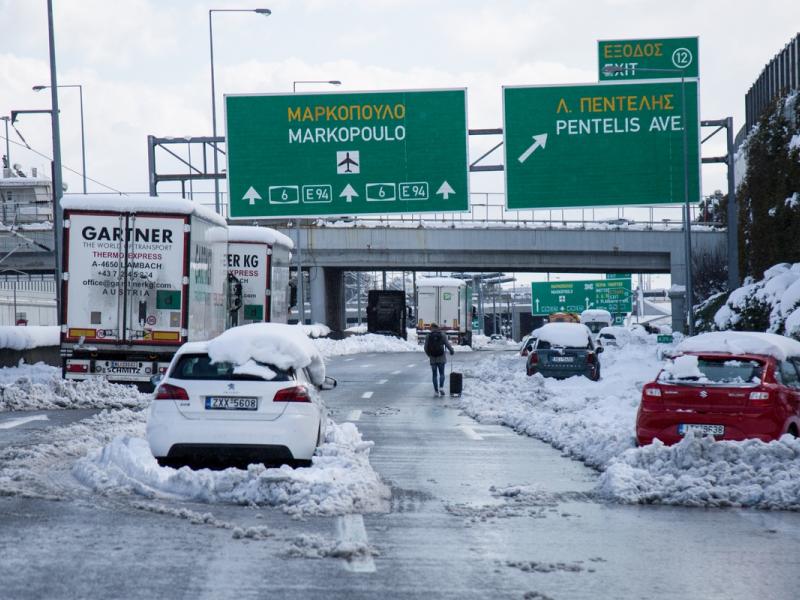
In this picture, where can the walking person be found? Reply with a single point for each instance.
(435, 345)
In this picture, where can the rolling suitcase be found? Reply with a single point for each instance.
(456, 382)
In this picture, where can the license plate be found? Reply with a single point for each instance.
(685, 428)
(562, 359)
(231, 403)
(127, 364)
(123, 367)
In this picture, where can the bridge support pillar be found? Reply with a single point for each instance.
(677, 294)
(316, 277)
(327, 297)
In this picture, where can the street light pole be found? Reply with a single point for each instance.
(38, 88)
(58, 190)
(301, 305)
(261, 11)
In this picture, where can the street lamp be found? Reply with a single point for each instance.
(301, 305)
(261, 11)
(39, 88)
(613, 69)
(331, 82)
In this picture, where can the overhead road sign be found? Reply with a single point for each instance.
(600, 145)
(309, 155)
(613, 295)
(665, 58)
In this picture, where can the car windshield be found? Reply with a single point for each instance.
(723, 371)
(199, 366)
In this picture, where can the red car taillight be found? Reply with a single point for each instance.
(591, 358)
(651, 394)
(170, 392)
(759, 398)
(294, 394)
(533, 358)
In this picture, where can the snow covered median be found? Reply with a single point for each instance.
(40, 387)
(29, 336)
(595, 422)
(339, 481)
(357, 344)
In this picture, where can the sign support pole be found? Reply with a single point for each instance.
(301, 295)
(687, 212)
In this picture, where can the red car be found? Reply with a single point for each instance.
(730, 395)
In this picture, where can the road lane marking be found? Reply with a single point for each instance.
(16, 422)
(470, 432)
(382, 381)
(350, 530)
(396, 372)
(411, 366)
(365, 366)
(367, 395)
(353, 415)
(348, 359)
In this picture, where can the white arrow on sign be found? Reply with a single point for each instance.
(252, 195)
(349, 193)
(538, 141)
(537, 305)
(445, 190)
(587, 302)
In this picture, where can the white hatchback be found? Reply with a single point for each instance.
(218, 412)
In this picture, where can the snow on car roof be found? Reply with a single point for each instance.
(440, 281)
(572, 335)
(249, 233)
(596, 313)
(154, 204)
(615, 329)
(742, 342)
(284, 346)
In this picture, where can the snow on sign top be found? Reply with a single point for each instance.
(247, 233)
(139, 204)
(569, 335)
(284, 346)
(742, 342)
(440, 281)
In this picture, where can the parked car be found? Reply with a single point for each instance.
(250, 395)
(731, 385)
(563, 350)
(614, 336)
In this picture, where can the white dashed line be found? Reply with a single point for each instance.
(16, 422)
(350, 531)
(396, 372)
(470, 432)
(353, 415)
(382, 381)
(365, 366)
(411, 366)
(367, 395)
(348, 359)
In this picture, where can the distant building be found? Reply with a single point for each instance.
(25, 199)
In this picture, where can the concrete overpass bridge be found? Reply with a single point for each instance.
(330, 250)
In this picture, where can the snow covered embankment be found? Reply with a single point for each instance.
(340, 480)
(29, 336)
(40, 387)
(595, 423)
(356, 344)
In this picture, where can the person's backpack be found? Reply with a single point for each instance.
(435, 343)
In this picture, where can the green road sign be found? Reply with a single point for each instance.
(668, 58)
(347, 153)
(665, 339)
(618, 275)
(576, 296)
(600, 145)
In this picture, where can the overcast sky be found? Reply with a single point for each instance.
(144, 64)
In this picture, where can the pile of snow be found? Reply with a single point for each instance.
(569, 335)
(40, 387)
(340, 480)
(315, 330)
(370, 342)
(742, 342)
(284, 346)
(701, 472)
(778, 293)
(592, 421)
(683, 367)
(596, 314)
(29, 336)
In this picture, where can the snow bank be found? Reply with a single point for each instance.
(701, 472)
(315, 330)
(340, 480)
(29, 336)
(742, 342)
(40, 387)
(370, 342)
(571, 335)
(285, 346)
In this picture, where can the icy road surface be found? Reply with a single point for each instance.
(463, 508)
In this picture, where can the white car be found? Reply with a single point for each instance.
(250, 395)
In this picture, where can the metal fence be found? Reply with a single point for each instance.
(779, 76)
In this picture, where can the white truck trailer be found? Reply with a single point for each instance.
(258, 258)
(140, 278)
(447, 302)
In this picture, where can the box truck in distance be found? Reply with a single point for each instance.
(447, 302)
(386, 312)
(140, 278)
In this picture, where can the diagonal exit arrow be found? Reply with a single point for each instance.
(252, 195)
(538, 141)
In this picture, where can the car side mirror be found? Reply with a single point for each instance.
(328, 384)
(156, 379)
(599, 349)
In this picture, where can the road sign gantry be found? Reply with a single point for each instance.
(348, 153)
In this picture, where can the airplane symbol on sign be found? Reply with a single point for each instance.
(345, 163)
